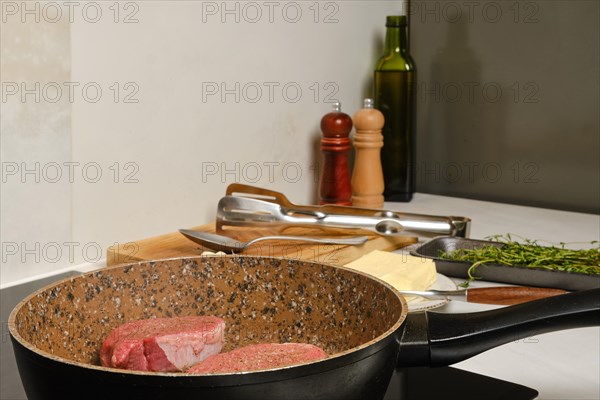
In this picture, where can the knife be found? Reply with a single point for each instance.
(502, 295)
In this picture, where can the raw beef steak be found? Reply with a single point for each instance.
(163, 344)
(258, 357)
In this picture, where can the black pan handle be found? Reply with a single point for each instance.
(439, 339)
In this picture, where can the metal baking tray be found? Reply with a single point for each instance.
(517, 275)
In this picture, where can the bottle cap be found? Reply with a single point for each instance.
(395, 21)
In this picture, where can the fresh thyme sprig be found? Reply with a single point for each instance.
(529, 254)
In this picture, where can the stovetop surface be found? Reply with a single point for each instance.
(407, 384)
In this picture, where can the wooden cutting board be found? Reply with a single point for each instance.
(174, 245)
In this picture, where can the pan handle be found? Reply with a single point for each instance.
(439, 339)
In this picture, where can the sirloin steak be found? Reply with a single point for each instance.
(163, 344)
(259, 357)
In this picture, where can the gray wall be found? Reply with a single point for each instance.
(508, 101)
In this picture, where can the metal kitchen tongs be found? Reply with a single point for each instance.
(246, 205)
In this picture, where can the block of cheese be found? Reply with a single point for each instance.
(403, 271)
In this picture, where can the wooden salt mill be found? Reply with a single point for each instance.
(334, 185)
(367, 177)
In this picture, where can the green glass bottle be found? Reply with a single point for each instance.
(395, 97)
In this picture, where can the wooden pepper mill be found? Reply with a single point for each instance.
(334, 185)
(367, 177)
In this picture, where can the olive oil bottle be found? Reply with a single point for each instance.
(395, 97)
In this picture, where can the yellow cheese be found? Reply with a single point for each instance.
(403, 271)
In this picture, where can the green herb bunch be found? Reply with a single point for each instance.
(529, 254)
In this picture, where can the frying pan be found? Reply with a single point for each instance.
(360, 321)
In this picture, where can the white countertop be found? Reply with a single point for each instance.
(559, 365)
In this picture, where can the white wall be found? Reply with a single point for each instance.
(35, 126)
(161, 141)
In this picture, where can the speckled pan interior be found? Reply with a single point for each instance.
(261, 300)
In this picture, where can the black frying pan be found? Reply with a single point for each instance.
(361, 322)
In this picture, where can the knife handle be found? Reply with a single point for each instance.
(510, 295)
